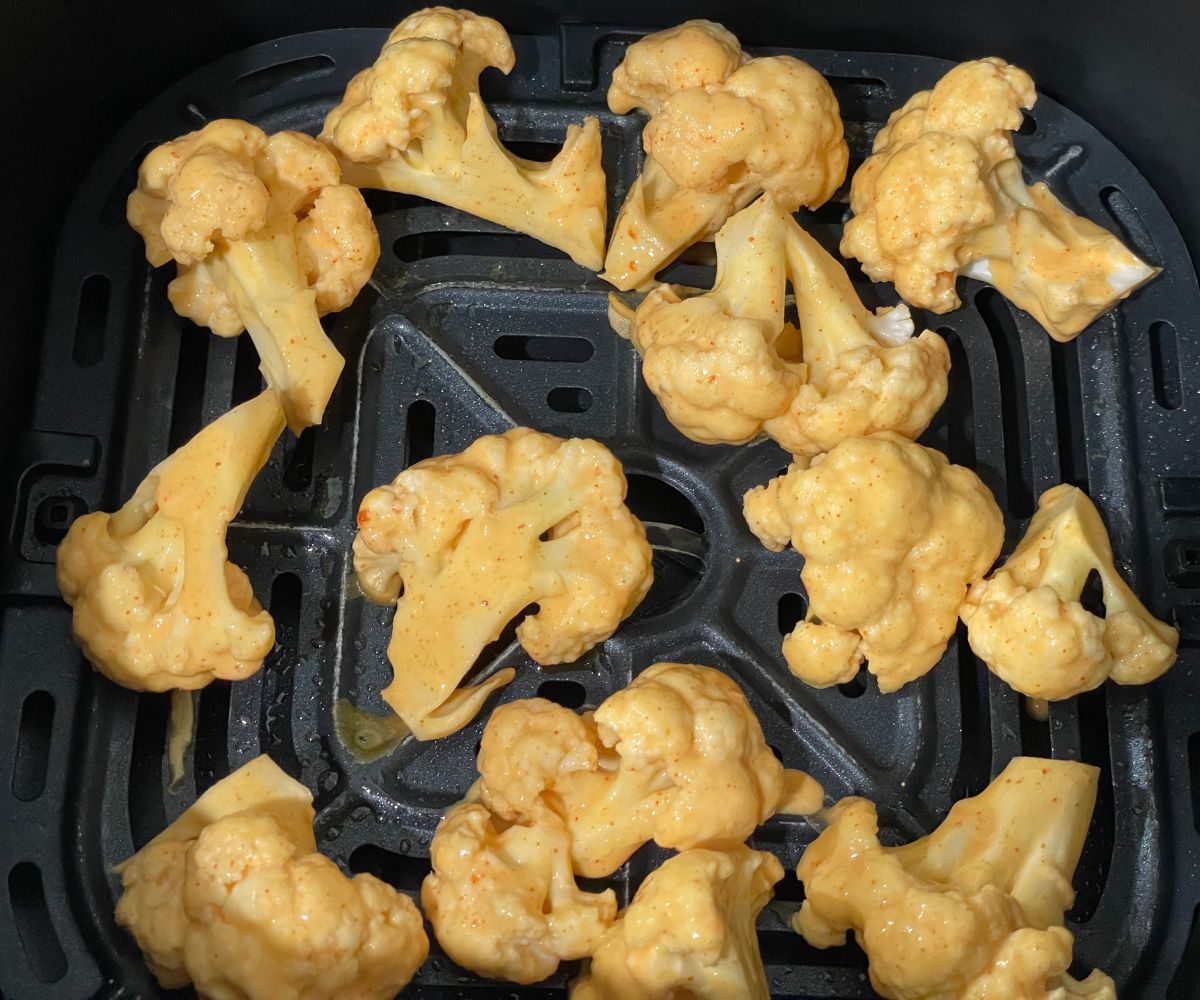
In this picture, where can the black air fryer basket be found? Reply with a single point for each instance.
(468, 329)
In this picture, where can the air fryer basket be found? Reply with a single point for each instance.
(468, 329)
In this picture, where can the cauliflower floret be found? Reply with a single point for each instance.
(414, 123)
(722, 130)
(265, 239)
(502, 899)
(648, 765)
(943, 195)
(725, 364)
(233, 898)
(973, 910)
(1026, 621)
(465, 542)
(689, 932)
(156, 603)
(892, 536)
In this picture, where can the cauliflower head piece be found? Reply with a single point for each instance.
(414, 123)
(502, 898)
(649, 764)
(463, 543)
(265, 238)
(234, 898)
(723, 128)
(156, 604)
(892, 536)
(727, 367)
(1027, 622)
(943, 195)
(689, 932)
(975, 909)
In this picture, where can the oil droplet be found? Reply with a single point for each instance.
(405, 846)
(368, 737)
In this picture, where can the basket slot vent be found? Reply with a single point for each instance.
(33, 746)
(262, 81)
(91, 320)
(34, 926)
(419, 432)
(569, 399)
(1164, 362)
(566, 349)
(1011, 362)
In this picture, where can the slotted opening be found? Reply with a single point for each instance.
(569, 399)
(147, 816)
(1194, 770)
(36, 930)
(1092, 873)
(957, 414)
(420, 424)
(188, 402)
(1129, 223)
(33, 746)
(654, 499)
(286, 601)
(262, 81)
(287, 594)
(789, 949)
(247, 379)
(297, 468)
(790, 612)
(54, 517)
(856, 687)
(211, 753)
(1035, 733)
(1028, 124)
(1182, 559)
(1068, 413)
(1011, 362)
(1187, 976)
(973, 773)
(565, 349)
(569, 694)
(401, 871)
(1164, 361)
(91, 320)
(494, 650)
(421, 246)
(776, 751)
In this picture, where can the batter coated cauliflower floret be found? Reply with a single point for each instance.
(457, 543)
(943, 195)
(973, 910)
(689, 932)
(649, 764)
(727, 367)
(414, 123)
(502, 899)
(265, 239)
(156, 603)
(234, 899)
(892, 536)
(1026, 621)
(723, 129)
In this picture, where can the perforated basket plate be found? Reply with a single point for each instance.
(469, 329)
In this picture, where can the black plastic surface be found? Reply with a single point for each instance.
(478, 329)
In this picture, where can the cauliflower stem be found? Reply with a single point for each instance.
(974, 909)
(1027, 622)
(689, 932)
(726, 366)
(157, 605)
(415, 123)
(943, 194)
(234, 898)
(265, 239)
(723, 128)
(463, 543)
